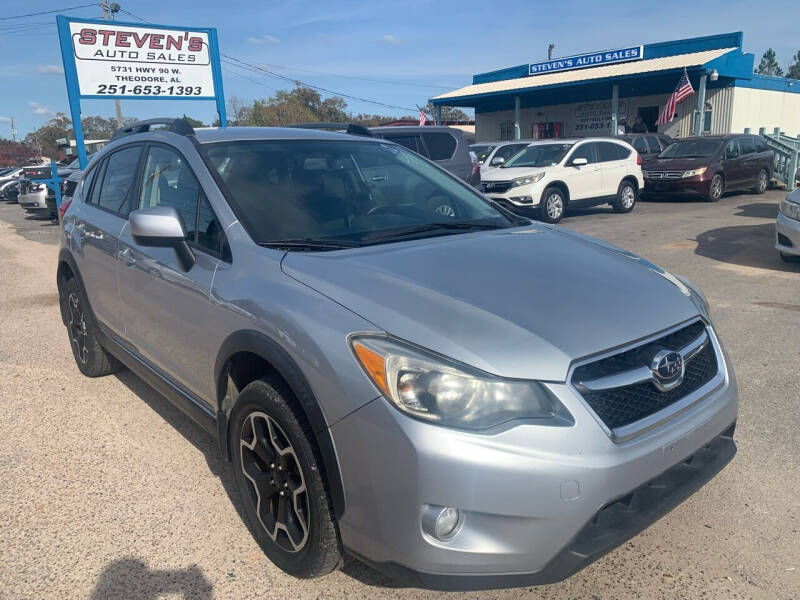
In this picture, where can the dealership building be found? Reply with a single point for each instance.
(598, 93)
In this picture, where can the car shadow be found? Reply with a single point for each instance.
(131, 578)
(209, 447)
(759, 210)
(745, 245)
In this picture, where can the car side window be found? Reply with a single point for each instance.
(93, 194)
(584, 151)
(508, 151)
(652, 144)
(407, 141)
(746, 145)
(640, 145)
(119, 179)
(168, 181)
(609, 151)
(761, 145)
(441, 146)
(732, 150)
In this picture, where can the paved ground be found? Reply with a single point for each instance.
(107, 491)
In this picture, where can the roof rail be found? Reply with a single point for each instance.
(350, 128)
(179, 126)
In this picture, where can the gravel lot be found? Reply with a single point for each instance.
(107, 491)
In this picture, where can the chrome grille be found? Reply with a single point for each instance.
(497, 187)
(663, 174)
(620, 389)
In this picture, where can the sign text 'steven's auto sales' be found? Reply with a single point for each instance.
(119, 60)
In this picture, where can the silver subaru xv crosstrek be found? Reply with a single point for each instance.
(396, 368)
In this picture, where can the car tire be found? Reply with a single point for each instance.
(626, 197)
(552, 205)
(762, 183)
(274, 458)
(716, 189)
(91, 358)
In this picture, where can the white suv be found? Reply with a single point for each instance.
(551, 175)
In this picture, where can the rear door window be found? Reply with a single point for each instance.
(608, 151)
(652, 144)
(732, 150)
(441, 145)
(640, 145)
(746, 145)
(119, 179)
(407, 141)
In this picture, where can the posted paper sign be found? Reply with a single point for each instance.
(132, 61)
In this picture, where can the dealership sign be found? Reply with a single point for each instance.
(581, 61)
(104, 59)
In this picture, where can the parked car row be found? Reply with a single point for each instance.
(542, 178)
(24, 186)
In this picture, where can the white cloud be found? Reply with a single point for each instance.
(49, 70)
(39, 109)
(389, 39)
(5, 119)
(264, 40)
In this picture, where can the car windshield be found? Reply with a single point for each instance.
(692, 149)
(539, 155)
(323, 194)
(482, 151)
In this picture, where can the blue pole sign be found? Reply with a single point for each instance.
(111, 59)
(581, 61)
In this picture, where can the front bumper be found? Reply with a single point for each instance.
(697, 185)
(532, 497)
(787, 235)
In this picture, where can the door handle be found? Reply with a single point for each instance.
(378, 178)
(127, 257)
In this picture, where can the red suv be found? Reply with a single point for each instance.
(709, 166)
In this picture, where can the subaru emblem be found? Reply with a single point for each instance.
(668, 369)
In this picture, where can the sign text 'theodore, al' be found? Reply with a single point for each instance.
(129, 60)
(581, 61)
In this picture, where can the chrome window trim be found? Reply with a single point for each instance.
(668, 413)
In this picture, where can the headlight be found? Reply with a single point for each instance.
(790, 209)
(527, 180)
(693, 172)
(431, 388)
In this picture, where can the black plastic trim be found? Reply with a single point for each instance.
(260, 345)
(610, 527)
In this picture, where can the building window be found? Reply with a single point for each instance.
(506, 131)
(707, 110)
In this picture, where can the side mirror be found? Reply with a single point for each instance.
(497, 161)
(579, 162)
(162, 227)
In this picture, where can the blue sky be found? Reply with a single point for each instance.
(416, 49)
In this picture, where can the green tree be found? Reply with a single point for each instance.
(98, 128)
(193, 122)
(794, 68)
(769, 64)
(449, 113)
(43, 140)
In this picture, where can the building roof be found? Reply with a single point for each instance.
(664, 63)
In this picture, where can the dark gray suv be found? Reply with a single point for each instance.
(395, 367)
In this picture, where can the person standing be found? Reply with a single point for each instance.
(639, 125)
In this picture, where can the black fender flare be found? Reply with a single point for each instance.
(65, 257)
(261, 345)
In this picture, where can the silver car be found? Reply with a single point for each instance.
(787, 228)
(395, 367)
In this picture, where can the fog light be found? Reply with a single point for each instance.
(522, 199)
(441, 522)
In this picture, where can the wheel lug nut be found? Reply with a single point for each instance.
(283, 493)
(286, 485)
(280, 468)
(271, 465)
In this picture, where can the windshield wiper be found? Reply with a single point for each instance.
(309, 244)
(404, 232)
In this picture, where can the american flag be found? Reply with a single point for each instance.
(683, 90)
(423, 118)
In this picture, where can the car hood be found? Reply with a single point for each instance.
(678, 164)
(522, 302)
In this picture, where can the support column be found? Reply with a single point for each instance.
(614, 108)
(699, 114)
(517, 105)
